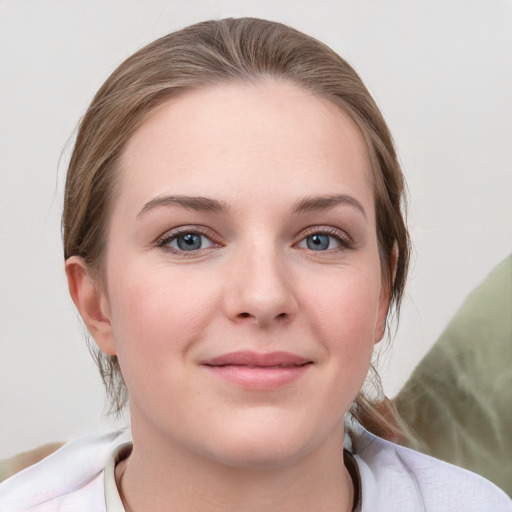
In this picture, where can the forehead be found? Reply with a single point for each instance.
(233, 137)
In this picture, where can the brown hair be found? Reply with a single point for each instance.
(212, 52)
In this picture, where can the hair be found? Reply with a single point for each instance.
(244, 50)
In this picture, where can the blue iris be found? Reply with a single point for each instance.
(189, 242)
(318, 242)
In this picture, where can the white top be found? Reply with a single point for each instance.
(80, 478)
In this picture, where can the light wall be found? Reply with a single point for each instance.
(440, 70)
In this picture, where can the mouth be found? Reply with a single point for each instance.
(253, 370)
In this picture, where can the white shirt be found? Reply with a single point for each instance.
(80, 478)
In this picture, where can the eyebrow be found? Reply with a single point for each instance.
(197, 203)
(308, 204)
(206, 204)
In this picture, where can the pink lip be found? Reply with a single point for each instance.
(258, 371)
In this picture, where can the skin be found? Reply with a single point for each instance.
(202, 442)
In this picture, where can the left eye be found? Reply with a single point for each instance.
(188, 242)
(320, 242)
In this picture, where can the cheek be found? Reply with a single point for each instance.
(156, 317)
(348, 304)
(340, 313)
(345, 316)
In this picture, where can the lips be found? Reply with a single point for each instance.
(253, 370)
(254, 359)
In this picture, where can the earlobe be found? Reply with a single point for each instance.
(380, 327)
(91, 302)
(382, 316)
(385, 294)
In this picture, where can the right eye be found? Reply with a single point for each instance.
(186, 241)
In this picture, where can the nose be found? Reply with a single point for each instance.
(260, 288)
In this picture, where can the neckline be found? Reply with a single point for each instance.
(353, 470)
(113, 500)
(114, 503)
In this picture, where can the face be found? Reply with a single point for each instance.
(242, 288)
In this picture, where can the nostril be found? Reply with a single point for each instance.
(280, 317)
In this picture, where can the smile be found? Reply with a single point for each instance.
(256, 371)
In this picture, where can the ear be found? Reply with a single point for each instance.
(385, 294)
(91, 302)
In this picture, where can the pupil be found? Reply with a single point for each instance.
(189, 242)
(318, 242)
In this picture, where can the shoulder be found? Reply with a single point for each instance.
(69, 479)
(394, 478)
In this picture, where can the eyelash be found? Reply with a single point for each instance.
(165, 240)
(345, 242)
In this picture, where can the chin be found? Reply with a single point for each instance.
(259, 454)
(267, 446)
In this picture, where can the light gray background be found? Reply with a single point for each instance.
(440, 70)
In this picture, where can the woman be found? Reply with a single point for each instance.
(234, 241)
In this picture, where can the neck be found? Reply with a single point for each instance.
(174, 479)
